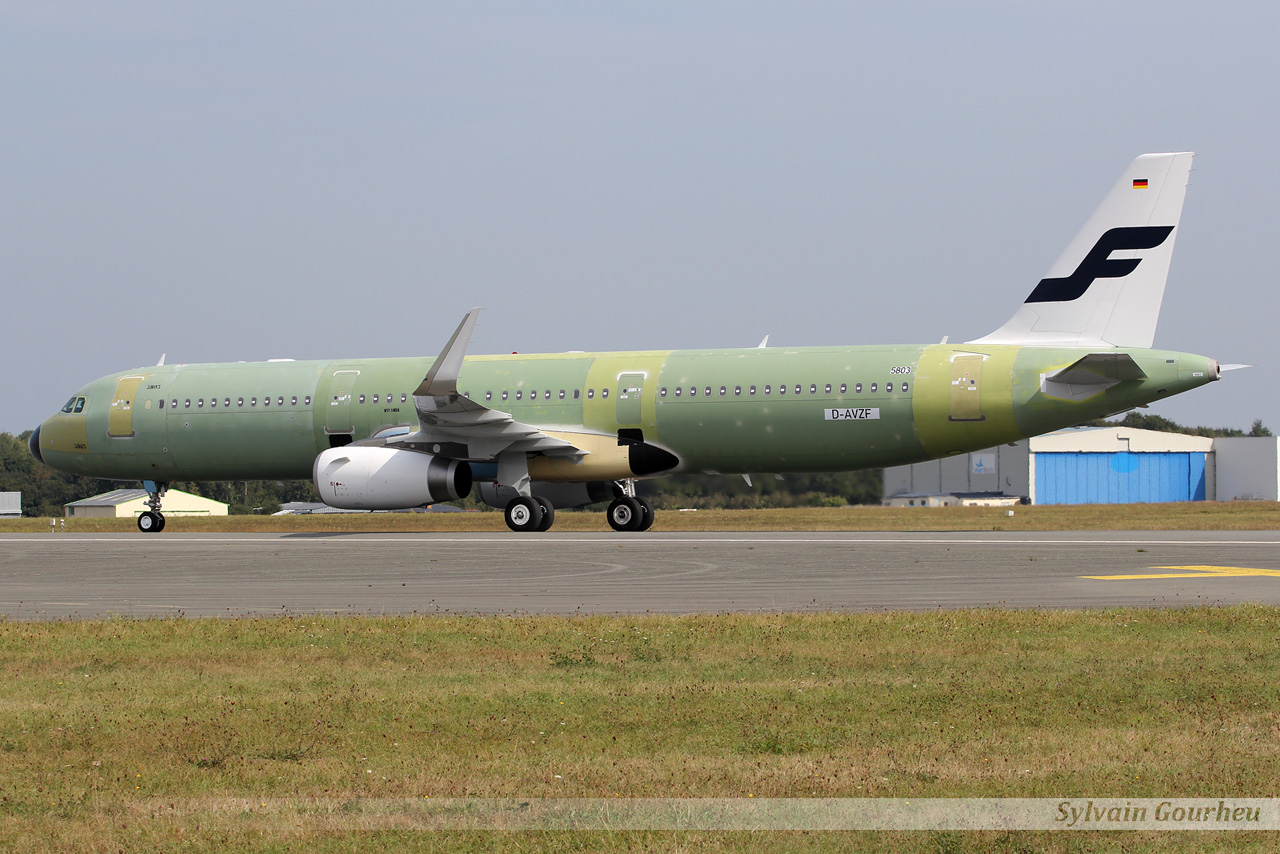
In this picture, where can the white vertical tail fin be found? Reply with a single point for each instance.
(1106, 288)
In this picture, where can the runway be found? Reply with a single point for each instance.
(51, 576)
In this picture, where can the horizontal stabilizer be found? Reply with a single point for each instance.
(1100, 368)
(1090, 375)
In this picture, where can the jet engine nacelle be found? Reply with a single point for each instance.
(561, 495)
(379, 478)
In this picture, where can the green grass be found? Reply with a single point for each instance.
(127, 735)
(1200, 515)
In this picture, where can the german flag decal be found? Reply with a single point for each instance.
(1139, 183)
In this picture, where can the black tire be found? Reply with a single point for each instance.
(548, 513)
(523, 514)
(161, 528)
(624, 514)
(149, 522)
(647, 514)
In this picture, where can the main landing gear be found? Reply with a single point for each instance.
(152, 521)
(530, 513)
(535, 513)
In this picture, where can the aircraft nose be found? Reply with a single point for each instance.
(34, 444)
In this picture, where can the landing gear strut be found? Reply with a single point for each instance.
(152, 521)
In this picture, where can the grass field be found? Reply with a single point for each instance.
(168, 734)
(1200, 515)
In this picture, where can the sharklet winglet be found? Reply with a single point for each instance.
(442, 379)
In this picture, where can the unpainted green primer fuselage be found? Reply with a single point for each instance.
(727, 411)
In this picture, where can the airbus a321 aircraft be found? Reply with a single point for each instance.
(538, 432)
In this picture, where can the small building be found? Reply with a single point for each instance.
(1098, 465)
(1248, 468)
(952, 499)
(131, 503)
(10, 504)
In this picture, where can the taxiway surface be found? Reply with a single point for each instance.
(50, 576)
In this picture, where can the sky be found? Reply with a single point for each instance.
(243, 180)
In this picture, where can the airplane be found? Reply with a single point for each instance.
(537, 432)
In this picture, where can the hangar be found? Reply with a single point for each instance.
(1099, 465)
(130, 503)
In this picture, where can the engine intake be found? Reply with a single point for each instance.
(369, 478)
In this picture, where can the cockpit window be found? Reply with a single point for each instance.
(70, 405)
(79, 404)
(75, 404)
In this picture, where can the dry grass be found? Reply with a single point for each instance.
(1196, 516)
(128, 735)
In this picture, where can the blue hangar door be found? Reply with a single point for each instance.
(1119, 478)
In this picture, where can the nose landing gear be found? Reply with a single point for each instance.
(152, 521)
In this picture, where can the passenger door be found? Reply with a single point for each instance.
(120, 416)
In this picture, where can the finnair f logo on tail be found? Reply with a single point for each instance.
(1099, 265)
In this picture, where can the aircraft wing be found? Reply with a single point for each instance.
(457, 427)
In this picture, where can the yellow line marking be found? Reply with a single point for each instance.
(1192, 572)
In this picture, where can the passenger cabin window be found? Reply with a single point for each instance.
(173, 403)
(782, 389)
(604, 392)
(518, 394)
(737, 391)
(904, 386)
(707, 391)
(187, 403)
(797, 389)
(662, 392)
(693, 391)
(857, 389)
(828, 389)
(873, 388)
(677, 391)
(577, 392)
(768, 389)
(293, 401)
(504, 394)
(162, 403)
(253, 401)
(591, 393)
(723, 391)
(266, 401)
(307, 401)
(844, 387)
(562, 394)
(226, 401)
(403, 398)
(751, 390)
(488, 395)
